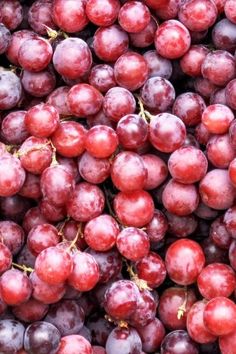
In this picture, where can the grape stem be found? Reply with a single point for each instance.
(23, 267)
(34, 148)
(182, 309)
(121, 323)
(73, 243)
(141, 284)
(60, 231)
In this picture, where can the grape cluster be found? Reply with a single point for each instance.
(117, 177)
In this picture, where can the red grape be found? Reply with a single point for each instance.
(219, 316)
(216, 190)
(134, 208)
(131, 70)
(102, 13)
(134, 16)
(53, 265)
(172, 39)
(72, 57)
(195, 324)
(184, 261)
(69, 17)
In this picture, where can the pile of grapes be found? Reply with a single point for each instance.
(117, 177)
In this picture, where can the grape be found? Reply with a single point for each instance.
(100, 328)
(218, 97)
(101, 232)
(15, 287)
(124, 341)
(38, 84)
(152, 335)
(156, 171)
(44, 292)
(219, 316)
(167, 132)
(35, 54)
(198, 15)
(223, 35)
(69, 17)
(41, 237)
(57, 185)
(180, 199)
(146, 309)
(204, 87)
(14, 127)
(53, 265)
(217, 118)
(5, 38)
(41, 338)
(195, 324)
(30, 311)
(110, 43)
(157, 227)
(109, 264)
(128, 172)
(35, 154)
(181, 226)
(133, 244)
(92, 169)
(102, 13)
(101, 141)
(216, 280)
(132, 131)
(40, 16)
(219, 151)
(134, 16)
(131, 70)
(83, 100)
(134, 208)
(5, 258)
(121, 299)
(168, 10)
(158, 94)
(176, 340)
(215, 64)
(51, 212)
(12, 175)
(230, 11)
(172, 39)
(69, 139)
(157, 65)
(227, 343)
(11, 13)
(86, 202)
(17, 40)
(145, 37)
(72, 57)
(189, 107)
(102, 77)
(118, 102)
(219, 234)
(11, 336)
(85, 272)
(170, 304)
(67, 316)
(184, 161)
(151, 268)
(184, 261)
(216, 190)
(73, 344)
(192, 61)
(15, 207)
(230, 94)
(10, 90)
(33, 217)
(58, 99)
(41, 120)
